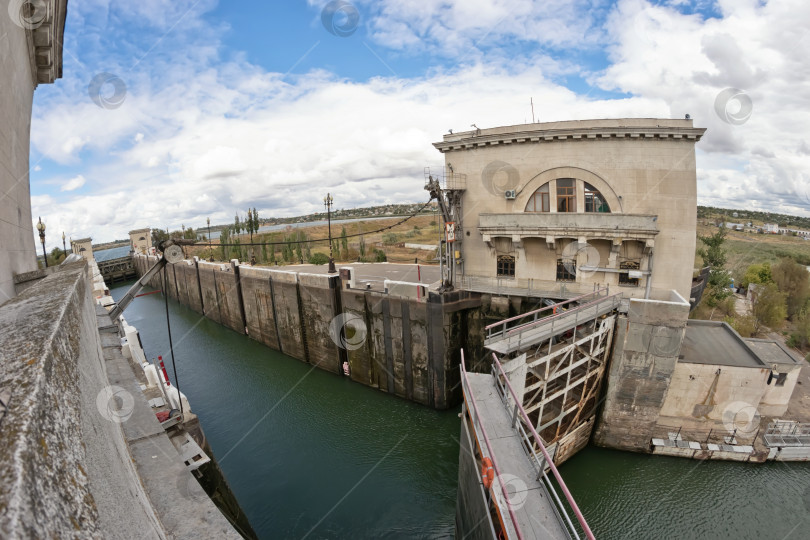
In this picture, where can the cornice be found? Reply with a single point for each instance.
(470, 140)
(45, 30)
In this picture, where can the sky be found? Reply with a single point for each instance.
(172, 111)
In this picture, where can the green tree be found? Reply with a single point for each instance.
(757, 273)
(362, 248)
(224, 238)
(249, 223)
(159, 235)
(318, 258)
(793, 280)
(714, 255)
(344, 243)
(379, 255)
(769, 306)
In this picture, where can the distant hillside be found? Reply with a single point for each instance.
(758, 218)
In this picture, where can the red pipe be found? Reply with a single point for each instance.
(166, 375)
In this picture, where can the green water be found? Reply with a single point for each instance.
(313, 455)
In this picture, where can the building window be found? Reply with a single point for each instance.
(506, 266)
(566, 195)
(624, 277)
(594, 202)
(566, 270)
(539, 201)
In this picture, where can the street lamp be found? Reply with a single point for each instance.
(64, 248)
(41, 229)
(210, 249)
(327, 202)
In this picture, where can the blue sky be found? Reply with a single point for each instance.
(222, 105)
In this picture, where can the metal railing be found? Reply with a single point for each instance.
(787, 434)
(477, 424)
(507, 325)
(510, 286)
(529, 444)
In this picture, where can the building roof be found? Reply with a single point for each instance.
(81, 240)
(716, 343)
(602, 129)
(135, 231)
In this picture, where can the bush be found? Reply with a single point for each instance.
(769, 308)
(727, 306)
(389, 238)
(379, 255)
(745, 325)
(318, 258)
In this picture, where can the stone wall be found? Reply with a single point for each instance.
(401, 345)
(71, 465)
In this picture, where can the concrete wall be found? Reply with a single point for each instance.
(699, 392)
(645, 352)
(17, 248)
(641, 167)
(405, 346)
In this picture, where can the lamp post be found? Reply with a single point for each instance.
(210, 249)
(327, 202)
(64, 248)
(41, 229)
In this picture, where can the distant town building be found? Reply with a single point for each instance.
(771, 228)
(733, 226)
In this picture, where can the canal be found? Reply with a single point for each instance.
(312, 455)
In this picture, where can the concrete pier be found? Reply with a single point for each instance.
(397, 339)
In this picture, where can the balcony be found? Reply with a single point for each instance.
(550, 225)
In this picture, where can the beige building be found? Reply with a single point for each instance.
(31, 35)
(140, 241)
(83, 247)
(562, 206)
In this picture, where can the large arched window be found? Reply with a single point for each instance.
(594, 201)
(539, 201)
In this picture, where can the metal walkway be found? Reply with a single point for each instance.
(782, 433)
(523, 331)
(522, 495)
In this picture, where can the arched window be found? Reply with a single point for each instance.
(594, 201)
(566, 195)
(539, 201)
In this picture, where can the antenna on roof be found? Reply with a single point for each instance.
(531, 102)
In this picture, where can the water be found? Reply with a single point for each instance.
(309, 454)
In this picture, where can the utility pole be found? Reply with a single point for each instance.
(327, 202)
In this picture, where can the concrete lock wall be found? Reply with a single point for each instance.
(399, 344)
(645, 351)
(65, 469)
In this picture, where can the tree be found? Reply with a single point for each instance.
(224, 238)
(344, 242)
(379, 255)
(714, 255)
(757, 273)
(159, 235)
(769, 306)
(794, 281)
(362, 248)
(250, 224)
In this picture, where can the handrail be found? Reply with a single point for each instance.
(536, 311)
(489, 448)
(578, 309)
(519, 407)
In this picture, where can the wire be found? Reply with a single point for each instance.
(171, 347)
(310, 240)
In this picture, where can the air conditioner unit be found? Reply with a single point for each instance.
(510, 193)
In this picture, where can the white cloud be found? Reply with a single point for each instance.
(73, 184)
(198, 137)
